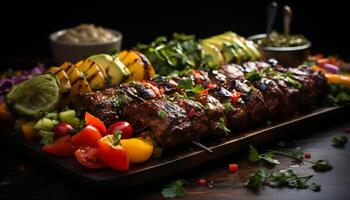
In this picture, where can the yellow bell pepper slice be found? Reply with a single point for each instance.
(139, 150)
(338, 79)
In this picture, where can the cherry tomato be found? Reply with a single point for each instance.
(112, 154)
(89, 157)
(202, 182)
(233, 168)
(87, 136)
(62, 129)
(63, 147)
(96, 122)
(123, 127)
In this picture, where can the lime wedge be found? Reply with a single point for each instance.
(35, 96)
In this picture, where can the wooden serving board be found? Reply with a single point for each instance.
(172, 163)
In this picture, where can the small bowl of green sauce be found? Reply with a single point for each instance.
(289, 51)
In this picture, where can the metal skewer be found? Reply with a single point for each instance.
(198, 144)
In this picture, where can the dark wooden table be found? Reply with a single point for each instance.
(20, 177)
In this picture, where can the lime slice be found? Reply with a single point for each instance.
(35, 96)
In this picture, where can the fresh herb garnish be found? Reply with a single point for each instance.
(255, 156)
(162, 114)
(228, 106)
(321, 166)
(222, 126)
(281, 178)
(338, 95)
(187, 85)
(174, 189)
(340, 141)
(298, 153)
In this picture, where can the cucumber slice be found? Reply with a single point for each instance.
(34, 97)
(67, 115)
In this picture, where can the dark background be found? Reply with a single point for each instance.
(26, 25)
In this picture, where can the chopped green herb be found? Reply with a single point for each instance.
(298, 153)
(174, 189)
(222, 126)
(338, 95)
(340, 141)
(255, 156)
(322, 166)
(281, 178)
(228, 106)
(187, 85)
(255, 180)
(162, 114)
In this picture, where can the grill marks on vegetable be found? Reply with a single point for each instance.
(179, 109)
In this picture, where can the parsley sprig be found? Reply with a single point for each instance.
(297, 154)
(281, 178)
(340, 141)
(174, 189)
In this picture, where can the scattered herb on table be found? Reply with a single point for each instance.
(174, 189)
(255, 156)
(297, 154)
(281, 178)
(340, 141)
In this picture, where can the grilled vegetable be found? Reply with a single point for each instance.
(138, 65)
(115, 69)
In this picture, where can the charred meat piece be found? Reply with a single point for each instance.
(165, 85)
(168, 122)
(106, 104)
(215, 112)
(109, 104)
(197, 115)
(236, 112)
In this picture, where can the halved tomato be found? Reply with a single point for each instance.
(96, 122)
(89, 157)
(87, 136)
(112, 154)
(121, 127)
(62, 147)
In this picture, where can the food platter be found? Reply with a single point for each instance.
(172, 163)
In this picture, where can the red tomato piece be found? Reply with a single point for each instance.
(62, 147)
(233, 168)
(211, 85)
(235, 96)
(202, 182)
(112, 154)
(307, 155)
(96, 122)
(122, 127)
(87, 136)
(89, 157)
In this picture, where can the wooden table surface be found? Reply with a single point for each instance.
(20, 177)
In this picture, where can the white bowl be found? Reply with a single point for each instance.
(72, 52)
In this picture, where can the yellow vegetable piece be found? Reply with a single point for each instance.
(139, 66)
(338, 79)
(139, 149)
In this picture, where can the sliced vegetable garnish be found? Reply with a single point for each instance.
(96, 122)
(62, 147)
(87, 136)
(89, 157)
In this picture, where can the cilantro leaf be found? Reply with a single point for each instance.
(322, 166)
(253, 154)
(314, 187)
(186, 84)
(256, 179)
(174, 189)
(340, 141)
(268, 157)
(298, 153)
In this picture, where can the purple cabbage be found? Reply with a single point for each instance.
(8, 82)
